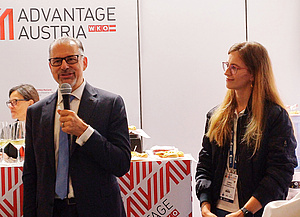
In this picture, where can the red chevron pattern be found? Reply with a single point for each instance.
(147, 189)
(149, 182)
(11, 192)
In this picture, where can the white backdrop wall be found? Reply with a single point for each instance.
(276, 24)
(112, 55)
(182, 46)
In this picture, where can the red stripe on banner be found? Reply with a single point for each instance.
(155, 188)
(175, 170)
(16, 171)
(130, 209)
(7, 203)
(138, 198)
(15, 202)
(138, 173)
(9, 178)
(130, 183)
(123, 190)
(186, 171)
(21, 198)
(147, 195)
(150, 167)
(127, 175)
(5, 211)
(190, 215)
(131, 180)
(3, 180)
(161, 183)
(168, 176)
(144, 166)
(125, 183)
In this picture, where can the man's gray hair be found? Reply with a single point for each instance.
(67, 39)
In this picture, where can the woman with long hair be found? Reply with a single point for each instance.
(248, 151)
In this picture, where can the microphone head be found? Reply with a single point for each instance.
(65, 89)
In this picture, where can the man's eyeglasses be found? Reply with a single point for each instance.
(233, 68)
(69, 59)
(14, 102)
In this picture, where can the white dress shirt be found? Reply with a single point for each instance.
(74, 106)
(224, 205)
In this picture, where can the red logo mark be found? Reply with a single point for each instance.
(174, 213)
(7, 13)
(102, 28)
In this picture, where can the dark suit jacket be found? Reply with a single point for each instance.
(93, 166)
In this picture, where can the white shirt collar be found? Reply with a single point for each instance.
(77, 93)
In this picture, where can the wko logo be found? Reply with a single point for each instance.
(9, 14)
(102, 28)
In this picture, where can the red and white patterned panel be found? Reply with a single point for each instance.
(157, 188)
(11, 192)
(151, 188)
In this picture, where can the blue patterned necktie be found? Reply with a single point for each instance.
(62, 174)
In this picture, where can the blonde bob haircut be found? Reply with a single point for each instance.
(257, 60)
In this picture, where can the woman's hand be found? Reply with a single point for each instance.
(238, 213)
(205, 210)
(209, 214)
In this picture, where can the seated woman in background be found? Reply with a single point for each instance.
(20, 98)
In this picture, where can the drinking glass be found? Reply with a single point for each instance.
(18, 137)
(4, 137)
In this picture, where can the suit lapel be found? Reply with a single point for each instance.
(87, 105)
(47, 120)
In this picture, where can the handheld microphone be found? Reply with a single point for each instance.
(66, 90)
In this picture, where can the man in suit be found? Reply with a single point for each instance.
(99, 150)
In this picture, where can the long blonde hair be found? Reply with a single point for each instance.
(258, 62)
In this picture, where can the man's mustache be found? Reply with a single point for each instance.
(66, 71)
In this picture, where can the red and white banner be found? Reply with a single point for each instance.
(11, 191)
(158, 188)
(150, 189)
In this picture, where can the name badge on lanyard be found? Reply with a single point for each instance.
(230, 179)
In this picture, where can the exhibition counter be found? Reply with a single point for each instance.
(152, 187)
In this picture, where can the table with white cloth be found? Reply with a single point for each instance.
(152, 187)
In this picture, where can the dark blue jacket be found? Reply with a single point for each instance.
(93, 166)
(266, 175)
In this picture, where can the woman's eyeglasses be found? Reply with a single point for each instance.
(233, 68)
(14, 102)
